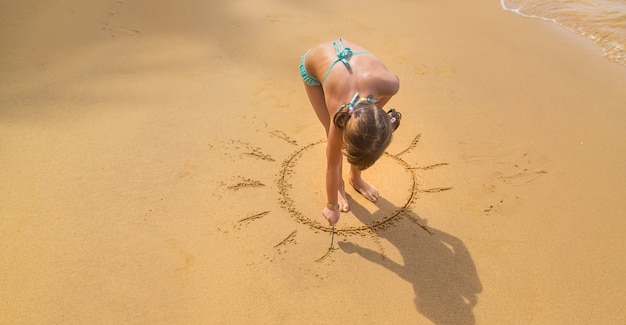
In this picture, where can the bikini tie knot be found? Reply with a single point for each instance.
(343, 53)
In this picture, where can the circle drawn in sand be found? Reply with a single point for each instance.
(394, 170)
(302, 199)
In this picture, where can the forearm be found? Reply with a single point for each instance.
(333, 176)
(333, 165)
(332, 183)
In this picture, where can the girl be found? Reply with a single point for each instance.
(347, 87)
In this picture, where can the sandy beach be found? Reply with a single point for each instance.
(161, 164)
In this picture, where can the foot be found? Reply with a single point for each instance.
(368, 191)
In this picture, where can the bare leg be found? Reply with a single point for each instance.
(318, 101)
(367, 190)
(342, 199)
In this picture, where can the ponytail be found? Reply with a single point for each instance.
(394, 118)
(342, 116)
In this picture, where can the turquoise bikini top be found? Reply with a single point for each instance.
(355, 101)
(343, 53)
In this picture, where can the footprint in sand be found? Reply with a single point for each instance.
(188, 260)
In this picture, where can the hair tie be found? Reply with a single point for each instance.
(350, 110)
(392, 118)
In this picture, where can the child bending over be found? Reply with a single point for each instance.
(348, 101)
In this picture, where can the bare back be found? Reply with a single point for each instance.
(366, 74)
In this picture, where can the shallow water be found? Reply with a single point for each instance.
(601, 21)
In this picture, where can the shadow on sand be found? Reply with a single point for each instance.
(438, 265)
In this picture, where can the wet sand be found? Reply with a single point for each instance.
(161, 164)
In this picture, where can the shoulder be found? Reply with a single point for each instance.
(392, 85)
(386, 83)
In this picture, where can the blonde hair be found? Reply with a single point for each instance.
(367, 131)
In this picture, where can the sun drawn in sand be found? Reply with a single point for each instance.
(300, 173)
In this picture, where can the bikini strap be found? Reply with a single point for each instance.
(343, 53)
(356, 101)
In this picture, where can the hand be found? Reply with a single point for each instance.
(331, 215)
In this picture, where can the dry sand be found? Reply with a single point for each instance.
(160, 164)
